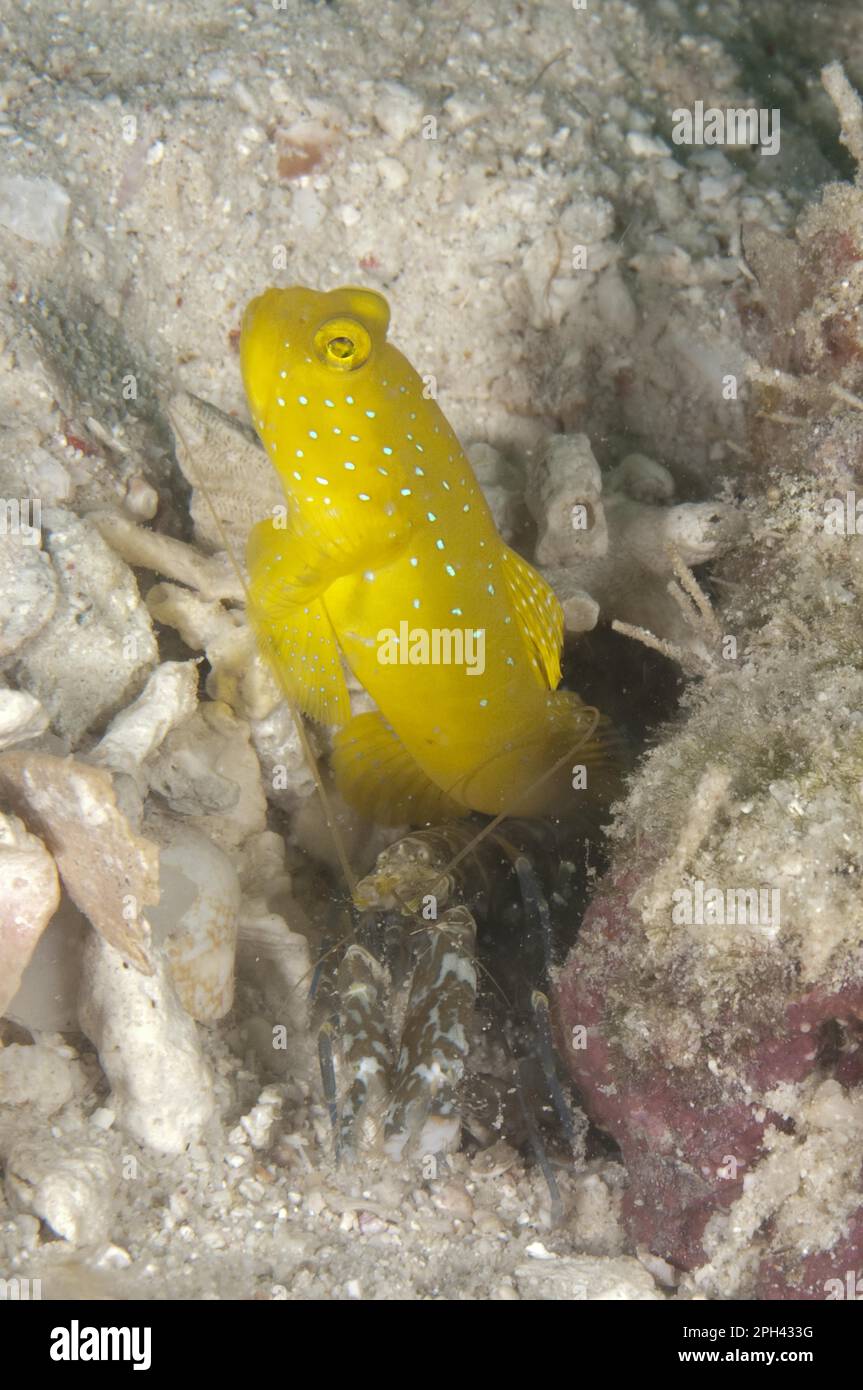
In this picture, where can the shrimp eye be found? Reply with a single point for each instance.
(343, 344)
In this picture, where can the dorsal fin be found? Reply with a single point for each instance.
(540, 615)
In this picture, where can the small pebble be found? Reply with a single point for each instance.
(113, 1257)
(488, 1224)
(453, 1199)
(392, 172)
(141, 500)
(537, 1251)
(35, 209)
(397, 111)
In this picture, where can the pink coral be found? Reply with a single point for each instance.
(688, 1109)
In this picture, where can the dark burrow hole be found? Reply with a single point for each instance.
(517, 1087)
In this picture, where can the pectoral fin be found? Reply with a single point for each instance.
(376, 774)
(293, 628)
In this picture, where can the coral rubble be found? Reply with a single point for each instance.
(712, 1010)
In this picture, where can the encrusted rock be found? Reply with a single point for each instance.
(610, 547)
(37, 1076)
(195, 922)
(207, 770)
(586, 1279)
(71, 1188)
(564, 495)
(96, 650)
(28, 589)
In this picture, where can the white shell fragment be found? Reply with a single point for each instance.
(46, 1000)
(214, 576)
(397, 110)
(206, 769)
(29, 894)
(110, 873)
(161, 1086)
(195, 921)
(258, 1127)
(21, 717)
(169, 697)
(141, 499)
(239, 675)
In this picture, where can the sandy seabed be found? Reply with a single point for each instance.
(506, 176)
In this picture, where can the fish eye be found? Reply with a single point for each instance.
(343, 344)
(342, 348)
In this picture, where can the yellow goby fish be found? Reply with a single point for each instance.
(387, 556)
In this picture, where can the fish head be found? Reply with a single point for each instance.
(303, 351)
(311, 335)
